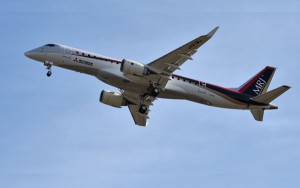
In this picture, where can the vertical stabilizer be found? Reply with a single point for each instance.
(259, 83)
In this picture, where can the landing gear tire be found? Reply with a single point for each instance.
(143, 109)
(48, 65)
(49, 73)
(155, 92)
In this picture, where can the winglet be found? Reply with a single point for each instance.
(210, 34)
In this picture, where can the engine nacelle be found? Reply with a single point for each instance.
(133, 68)
(113, 99)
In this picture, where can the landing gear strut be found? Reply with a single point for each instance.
(48, 65)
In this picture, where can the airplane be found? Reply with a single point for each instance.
(141, 84)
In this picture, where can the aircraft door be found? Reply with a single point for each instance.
(202, 87)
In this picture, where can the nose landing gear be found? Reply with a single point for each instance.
(48, 65)
(49, 73)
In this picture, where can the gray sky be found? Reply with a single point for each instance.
(55, 133)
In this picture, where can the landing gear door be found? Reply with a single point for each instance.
(67, 52)
(202, 87)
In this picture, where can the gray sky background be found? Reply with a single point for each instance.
(55, 133)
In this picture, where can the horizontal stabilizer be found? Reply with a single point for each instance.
(271, 95)
(258, 114)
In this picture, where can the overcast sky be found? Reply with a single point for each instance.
(55, 133)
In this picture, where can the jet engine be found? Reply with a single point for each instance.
(113, 99)
(133, 68)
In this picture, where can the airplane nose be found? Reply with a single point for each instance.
(28, 54)
(35, 54)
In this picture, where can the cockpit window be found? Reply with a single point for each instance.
(50, 45)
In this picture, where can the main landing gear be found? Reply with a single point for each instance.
(48, 65)
(143, 109)
(155, 91)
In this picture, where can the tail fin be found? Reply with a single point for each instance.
(259, 83)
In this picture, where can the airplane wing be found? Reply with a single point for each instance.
(164, 66)
(172, 61)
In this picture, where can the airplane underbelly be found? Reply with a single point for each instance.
(117, 79)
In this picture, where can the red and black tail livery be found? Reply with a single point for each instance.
(259, 83)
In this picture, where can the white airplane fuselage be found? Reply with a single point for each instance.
(108, 70)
